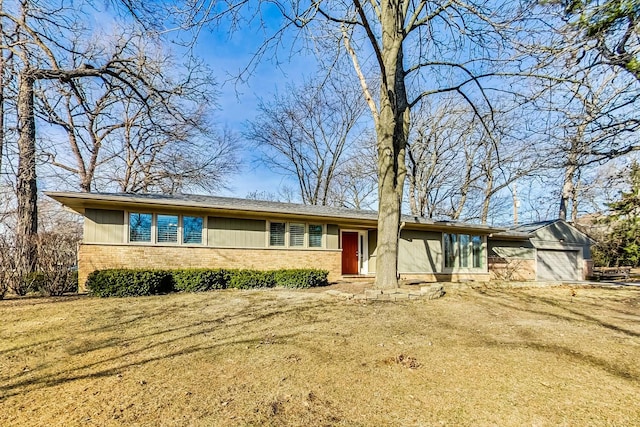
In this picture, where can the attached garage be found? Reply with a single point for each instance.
(558, 251)
(558, 265)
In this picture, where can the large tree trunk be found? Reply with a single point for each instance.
(392, 130)
(26, 180)
(567, 186)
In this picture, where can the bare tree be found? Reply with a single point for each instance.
(456, 169)
(409, 50)
(356, 185)
(168, 144)
(41, 38)
(441, 161)
(306, 133)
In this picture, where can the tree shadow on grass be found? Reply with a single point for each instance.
(570, 353)
(531, 304)
(236, 329)
(570, 314)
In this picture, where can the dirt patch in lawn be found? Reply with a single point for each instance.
(539, 356)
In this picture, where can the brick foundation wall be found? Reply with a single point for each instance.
(512, 269)
(98, 257)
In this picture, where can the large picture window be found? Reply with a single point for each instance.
(166, 229)
(140, 227)
(462, 251)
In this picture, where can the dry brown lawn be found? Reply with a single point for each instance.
(486, 356)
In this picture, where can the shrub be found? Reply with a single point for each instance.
(120, 283)
(13, 273)
(198, 280)
(56, 262)
(302, 278)
(72, 282)
(124, 283)
(34, 282)
(249, 279)
(3, 284)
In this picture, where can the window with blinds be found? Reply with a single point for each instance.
(276, 233)
(167, 229)
(192, 230)
(296, 235)
(315, 235)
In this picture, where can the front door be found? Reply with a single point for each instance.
(350, 252)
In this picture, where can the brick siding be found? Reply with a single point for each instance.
(98, 257)
(512, 269)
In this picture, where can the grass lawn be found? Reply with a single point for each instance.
(507, 357)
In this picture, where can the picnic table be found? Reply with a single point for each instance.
(600, 273)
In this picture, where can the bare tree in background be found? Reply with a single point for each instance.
(441, 161)
(306, 135)
(42, 41)
(455, 170)
(410, 50)
(118, 141)
(356, 185)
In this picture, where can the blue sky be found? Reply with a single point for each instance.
(238, 102)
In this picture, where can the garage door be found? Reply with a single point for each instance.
(559, 265)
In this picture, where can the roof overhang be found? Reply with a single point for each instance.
(241, 208)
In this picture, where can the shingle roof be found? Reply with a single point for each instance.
(533, 226)
(247, 205)
(524, 231)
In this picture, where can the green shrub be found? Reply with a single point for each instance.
(34, 282)
(250, 279)
(199, 279)
(124, 283)
(54, 282)
(72, 282)
(301, 278)
(121, 283)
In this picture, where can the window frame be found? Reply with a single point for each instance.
(152, 236)
(287, 235)
(203, 228)
(178, 240)
(458, 250)
(154, 229)
(322, 236)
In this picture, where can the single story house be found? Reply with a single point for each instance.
(193, 231)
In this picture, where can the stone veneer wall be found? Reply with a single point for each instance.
(99, 256)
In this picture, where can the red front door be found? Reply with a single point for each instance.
(350, 252)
